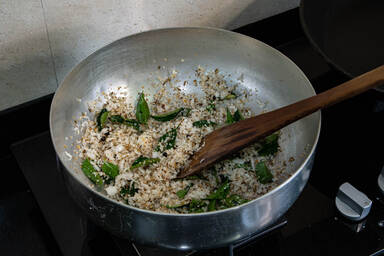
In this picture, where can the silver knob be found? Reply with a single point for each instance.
(352, 203)
(380, 180)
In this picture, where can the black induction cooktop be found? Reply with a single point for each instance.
(350, 150)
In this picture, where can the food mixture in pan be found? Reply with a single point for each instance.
(134, 150)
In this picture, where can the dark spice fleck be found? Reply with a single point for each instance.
(167, 80)
(165, 154)
(103, 138)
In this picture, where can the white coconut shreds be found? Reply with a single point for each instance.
(155, 185)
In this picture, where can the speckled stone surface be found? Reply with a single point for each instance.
(42, 40)
(26, 65)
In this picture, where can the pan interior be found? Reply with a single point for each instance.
(134, 62)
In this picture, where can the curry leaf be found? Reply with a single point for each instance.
(167, 141)
(230, 96)
(186, 112)
(110, 169)
(270, 145)
(143, 161)
(203, 123)
(176, 206)
(195, 177)
(168, 116)
(221, 192)
(246, 166)
(263, 174)
(196, 206)
(211, 107)
(117, 119)
(120, 120)
(102, 118)
(133, 123)
(230, 119)
(214, 173)
(142, 110)
(183, 192)
(129, 189)
(212, 205)
(234, 200)
(192, 177)
(237, 116)
(91, 172)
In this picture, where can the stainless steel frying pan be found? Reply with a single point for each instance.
(134, 61)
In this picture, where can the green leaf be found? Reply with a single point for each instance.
(129, 189)
(195, 177)
(246, 165)
(230, 119)
(143, 161)
(203, 123)
(133, 189)
(263, 174)
(238, 116)
(167, 141)
(186, 112)
(214, 173)
(133, 123)
(196, 206)
(130, 122)
(110, 169)
(192, 177)
(183, 192)
(142, 110)
(116, 119)
(234, 200)
(230, 96)
(212, 205)
(168, 116)
(91, 172)
(176, 206)
(211, 107)
(221, 192)
(270, 145)
(102, 118)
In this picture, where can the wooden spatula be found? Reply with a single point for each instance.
(232, 138)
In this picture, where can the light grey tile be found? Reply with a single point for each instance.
(78, 28)
(26, 68)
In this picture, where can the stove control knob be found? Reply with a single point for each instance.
(352, 203)
(380, 180)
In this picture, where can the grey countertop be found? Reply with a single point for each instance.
(41, 40)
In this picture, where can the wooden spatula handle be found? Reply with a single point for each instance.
(232, 138)
(281, 117)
